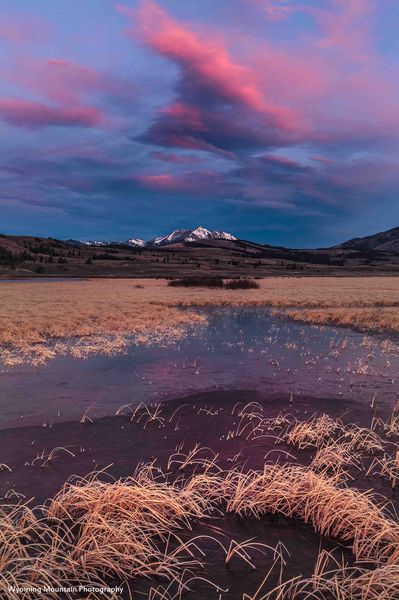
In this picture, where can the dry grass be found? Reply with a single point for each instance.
(335, 458)
(40, 320)
(96, 531)
(371, 319)
(333, 581)
(333, 510)
(93, 531)
(311, 433)
(363, 439)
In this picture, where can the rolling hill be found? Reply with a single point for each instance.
(385, 241)
(194, 251)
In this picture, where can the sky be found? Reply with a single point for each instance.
(274, 120)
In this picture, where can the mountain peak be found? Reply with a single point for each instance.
(190, 235)
(136, 242)
(201, 230)
(175, 237)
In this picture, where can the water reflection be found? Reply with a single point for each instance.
(238, 349)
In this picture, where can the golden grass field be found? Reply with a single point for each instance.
(34, 314)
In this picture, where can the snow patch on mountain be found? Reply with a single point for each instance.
(136, 242)
(93, 243)
(190, 235)
(178, 236)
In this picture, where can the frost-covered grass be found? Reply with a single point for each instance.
(38, 319)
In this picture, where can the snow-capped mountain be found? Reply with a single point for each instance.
(136, 242)
(190, 235)
(178, 236)
(93, 243)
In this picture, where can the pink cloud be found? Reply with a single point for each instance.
(61, 80)
(346, 26)
(205, 61)
(190, 116)
(26, 113)
(86, 150)
(66, 82)
(282, 161)
(323, 88)
(322, 159)
(164, 181)
(289, 95)
(197, 182)
(179, 159)
(69, 90)
(26, 28)
(221, 105)
(167, 182)
(333, 78)
(276, 10)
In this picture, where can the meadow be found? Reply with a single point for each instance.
(230, 494)
(39, 321)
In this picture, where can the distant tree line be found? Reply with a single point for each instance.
(11, 259)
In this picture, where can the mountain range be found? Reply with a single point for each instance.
(186, 251)
(386, 241)
(178, 236)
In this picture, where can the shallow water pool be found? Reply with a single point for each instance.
(246, 348)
